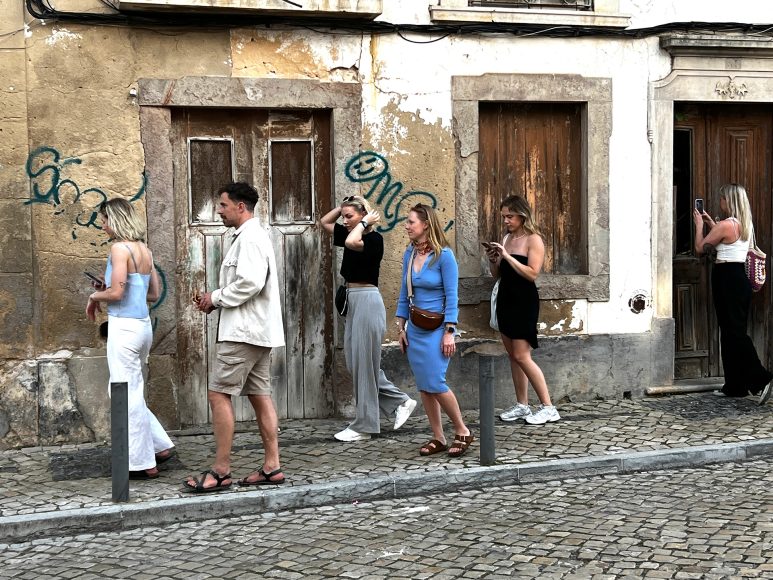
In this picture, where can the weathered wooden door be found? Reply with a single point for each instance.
(286, 156)
(535, 150)
(713, 145)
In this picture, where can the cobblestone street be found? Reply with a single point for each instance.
(71, 477)
(709, 523)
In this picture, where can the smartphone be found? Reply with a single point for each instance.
(486, 245)
(699, 204)
(93, 277)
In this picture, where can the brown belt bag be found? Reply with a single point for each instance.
(424, 319)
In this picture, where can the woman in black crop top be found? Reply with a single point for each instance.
(365, 319)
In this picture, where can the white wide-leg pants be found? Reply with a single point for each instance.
(128, 346)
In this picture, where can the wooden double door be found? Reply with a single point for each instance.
(286, 155)
(716, 144)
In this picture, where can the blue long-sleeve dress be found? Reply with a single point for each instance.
(435, 288)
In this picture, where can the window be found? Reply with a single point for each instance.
(561, 157)
(291, 170)
(210, 166)
(571, 4)
(587, 13)
(535, 150)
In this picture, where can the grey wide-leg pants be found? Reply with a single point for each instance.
(364, 331)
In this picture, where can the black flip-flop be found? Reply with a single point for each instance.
(266, 481)
(142, 474)
(164, 458)
(199, 487)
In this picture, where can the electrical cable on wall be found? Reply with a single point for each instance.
(41, 9)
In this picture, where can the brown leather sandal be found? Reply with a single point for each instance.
(462, 443)
(432, 447)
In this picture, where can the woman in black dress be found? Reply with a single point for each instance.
(517, 262)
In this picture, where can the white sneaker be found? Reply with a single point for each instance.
(766, 393)
(518, 411)
(403, 412)
(544, 414)
(351, 435)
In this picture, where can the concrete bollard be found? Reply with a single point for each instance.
(486, 394)
(119, 440)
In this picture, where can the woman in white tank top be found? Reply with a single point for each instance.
(732, 292)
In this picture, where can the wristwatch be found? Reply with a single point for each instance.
(451, 330)
(364, 224)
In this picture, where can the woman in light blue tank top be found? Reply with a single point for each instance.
(732, 292)
(130, 283)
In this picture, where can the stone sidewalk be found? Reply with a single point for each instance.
(67, 489)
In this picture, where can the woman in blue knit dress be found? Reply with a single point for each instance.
(434, 279)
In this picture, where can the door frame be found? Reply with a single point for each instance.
(156, 98)
(706, 69)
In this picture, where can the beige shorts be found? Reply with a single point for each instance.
(242, 369)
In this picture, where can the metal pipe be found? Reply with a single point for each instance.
(681, 389)
(119, 440)
(486, 396)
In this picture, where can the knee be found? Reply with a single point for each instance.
(520, 357)
(215, 398)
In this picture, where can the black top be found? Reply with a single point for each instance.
(360, 267)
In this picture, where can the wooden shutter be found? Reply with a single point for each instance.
(536, 150)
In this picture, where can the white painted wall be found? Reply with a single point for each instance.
(655, 12)
(643, 13)
(417, 78)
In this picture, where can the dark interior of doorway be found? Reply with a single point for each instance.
(683, 191)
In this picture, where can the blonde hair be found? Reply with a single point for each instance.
(519, 206)
(738, 205)
(123, 220)
(435, 236)
(357, 202)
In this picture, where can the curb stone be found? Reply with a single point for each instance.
(177, 510)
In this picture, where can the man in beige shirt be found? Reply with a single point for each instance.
(250, 326)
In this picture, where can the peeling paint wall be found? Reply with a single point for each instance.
(70, 137)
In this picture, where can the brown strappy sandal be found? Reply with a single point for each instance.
(432, 447)
(462, 443)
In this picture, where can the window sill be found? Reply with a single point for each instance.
(365, 9)
(551, 287)
(519, 16)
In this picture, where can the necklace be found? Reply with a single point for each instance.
(422, 247)
(523, 235)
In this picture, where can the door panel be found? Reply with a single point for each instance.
(714, 145)
(212, 147)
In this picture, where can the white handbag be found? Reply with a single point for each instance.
(493, 323)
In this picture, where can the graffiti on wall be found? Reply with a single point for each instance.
(46, 168)
(370, 167)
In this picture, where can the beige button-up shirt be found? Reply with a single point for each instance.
(248, 297)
